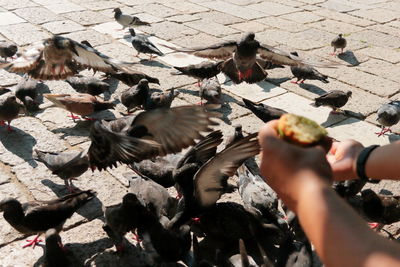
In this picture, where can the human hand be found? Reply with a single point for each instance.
(287, 167)
(343, 159)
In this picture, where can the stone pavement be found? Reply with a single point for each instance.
(372, 28)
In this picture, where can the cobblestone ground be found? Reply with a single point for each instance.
(372, 28)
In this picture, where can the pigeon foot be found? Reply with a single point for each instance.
(384, 130)
(373, 226)
(73, 117)
(33, 242)
(136, 238)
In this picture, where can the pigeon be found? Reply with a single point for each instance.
(7, 49)
(122, 218)
(37, 217)
(143, 45)
(268, 65)
(258, 197)
(240, 58)
(67, 165)
(263, 112)
(27, 90)
(54, 251)
(81, 104)
(86, 42)
(380, 208)
(128, 20)
(152, 195)
(132, 78)
(349, 188)
(160, 99)
(147, 135)
(388, 115)
(201, 71)
(10, 107)
(202, 187)
(58, 58)
(88, 85)
(237, 135)
(293, 253)
(338, 43)
(305, 72)
(334, 99)
(210, 90)
(136, 95)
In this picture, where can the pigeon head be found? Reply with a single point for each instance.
(30, 104)
(13, 48)
(132, 32)
(294, 53)
(250, 36)
(52, 237)
(61, 42)
(130, 199)
(143, 82)
(117, 10)
(341, 35)
(349, 93)
(238, 127)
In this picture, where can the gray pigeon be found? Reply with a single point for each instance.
(388, 115)
(10, 107)
(160, 99)
(334, 99)
(88, 85)
(132, 78)
(210, 90)
(263, 112)
(136, 95)
(27, 91)
(142, 44)
(305, 72)
(128, 20)
(338, 43)
(7, 49)
(203, 70)
(67, 165)
(54, 252)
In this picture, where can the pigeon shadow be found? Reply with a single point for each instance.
(353, 114)
(19, 143)
(154, 63)
(277, 81)
(113, 87)
(132, 256)
(394, 137)
(91, 210)
(333, 119)
(349, 57)
(80, 129)
(312, 88)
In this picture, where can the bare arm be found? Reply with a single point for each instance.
(301, 177)
(383, 162)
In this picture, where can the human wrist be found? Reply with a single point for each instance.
(364, 162)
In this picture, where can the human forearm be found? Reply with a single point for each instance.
(340, 236)
(384, 162)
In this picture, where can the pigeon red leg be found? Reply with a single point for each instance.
(295, 82)
(89, 119)
(73, 117)
(373, 226)
(33, 242)
(2, 123)
(302, 81)
(198, 83)
(383, 131)
(9, 127)
(178, 196)
(136, 238)
(196, 219)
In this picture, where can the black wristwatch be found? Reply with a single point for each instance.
(362, 159)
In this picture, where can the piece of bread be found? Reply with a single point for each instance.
(300, 130)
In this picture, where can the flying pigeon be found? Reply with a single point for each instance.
(147, 135)
(81, 104)
(339, 42)
(132, 78)
(143, 45)
(10, 107)
(37, 217)
(388, 115)
(334, 99)
(67, 165)
(240, 58)
(88, 85)
(58, 58)
(201, 71)
(128, 20)
(305, 72)
(263, 112)
(210, 90)
(136, 95)
(156, 100)
(7, 49)
(27, 91)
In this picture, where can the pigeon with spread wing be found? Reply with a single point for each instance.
(241, 58)
(58, 58)
(147, 135)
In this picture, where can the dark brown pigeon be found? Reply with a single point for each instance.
(27, 90)
(135, 96)
(240, 58)
(10, 107)
(201, 71)
(305, 72)
(339, 42)
(262, 111)
(7, 49)
(132, 78)
(380, 208)
(156, 100)
(37, 217)
(88, 85)
(67, 165)
(334, 99)
(54, 251)
(58, 58)
(147, 135)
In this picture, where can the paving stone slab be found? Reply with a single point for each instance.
(10, 5)
(362, 131)
(169, 30)
(8, 18)
(37, 15)
(335, 26)
(376, 14)
(343, 17)
(375, 38)
(302, 106)
(388, 54)
(385, 29)
(4, 177)
(219, 17)
(251, 26)
(8, 78)
(274, 9)
(283, 24)
(393, 5)
(200, 39)
(62, 26)
(87, 17)
(94, 37)
(65, 8)
(185, 7)
(317, 35)
(159, 10)
(24, 33)
(303, 17)
(183, 18)
(336, 6)
(382, 69)
(215, 29)
(287, 38)
(234, 10)
(100, 5)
